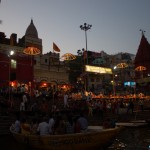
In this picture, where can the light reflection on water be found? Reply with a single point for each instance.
(128, 139)
(132, 139)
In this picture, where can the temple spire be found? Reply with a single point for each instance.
(142, 32)
(31, 20)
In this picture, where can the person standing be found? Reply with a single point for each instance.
(25, 100)
(130, 106)
(66, 100)
(22, 106)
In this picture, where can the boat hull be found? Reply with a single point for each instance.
(89, 140)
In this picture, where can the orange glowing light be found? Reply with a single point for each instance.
(140, 68)
(12, 84)
(68, 56)
(122, 65)
(44, 84)
(31, 51)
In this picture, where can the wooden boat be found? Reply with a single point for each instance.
(93, 138)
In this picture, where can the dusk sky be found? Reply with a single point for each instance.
(115, 23)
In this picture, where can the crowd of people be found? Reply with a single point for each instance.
(44, 101)
(51, 125)
(59, 122)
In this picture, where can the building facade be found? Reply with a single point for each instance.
(23, 69)
(104, 82)
(50, 71)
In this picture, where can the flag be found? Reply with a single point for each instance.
(55, 47)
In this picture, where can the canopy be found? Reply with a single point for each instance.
(140, 68)
(31, 51)
(122, 65)
(68, 56)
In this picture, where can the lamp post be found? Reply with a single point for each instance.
(9, 55)
(113, 81)
(86, 27)
(0, 20)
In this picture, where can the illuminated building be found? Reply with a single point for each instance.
(28, 69)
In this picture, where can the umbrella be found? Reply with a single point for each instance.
(140, 68)
(68, 56)
(31, 51)
(122, 65)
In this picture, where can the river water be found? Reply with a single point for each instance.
(132, 139)
(128, 139)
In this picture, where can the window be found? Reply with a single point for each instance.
(13, 64)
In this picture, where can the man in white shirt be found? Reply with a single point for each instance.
(43, 127)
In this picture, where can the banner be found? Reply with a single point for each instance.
(55, 47)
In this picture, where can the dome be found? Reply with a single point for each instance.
(31, 31)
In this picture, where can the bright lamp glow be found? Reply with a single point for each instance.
(11, 52)
(95, 69)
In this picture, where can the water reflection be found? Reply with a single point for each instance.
(132, 139)
(128, 139)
